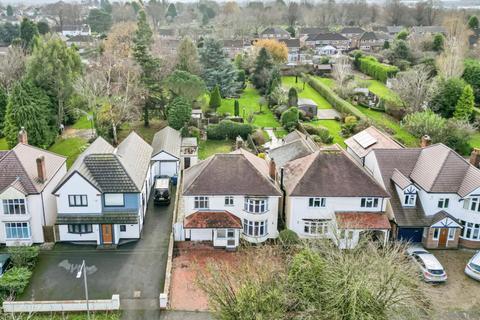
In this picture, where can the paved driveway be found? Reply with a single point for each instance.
(132, 269)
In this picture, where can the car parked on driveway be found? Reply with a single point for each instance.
(163, 190)
(473, 267)
(431, 269)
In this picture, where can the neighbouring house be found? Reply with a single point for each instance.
(333, 39)
(293, 46)
(360, 144)
(352, 33)
(27, 177)
(435, 194)
(305, 32)
(428, 30)
(76, 30)
(308, 106)
(234, 47)
(327, 51)
(81, 42)
(274, 33)
(172, 152)
(168, 47)
(370, 40)
(228, 197)
(391, 31)
(103, 198)
(327, 195)
(294, 145)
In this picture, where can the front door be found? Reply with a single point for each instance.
(442, 240)
(107, 234)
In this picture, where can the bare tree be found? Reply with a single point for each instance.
(12, 67)
(413, 88)
(450, 61)
(342, 72)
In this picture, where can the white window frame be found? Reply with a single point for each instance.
(451, 233)
(436, 234)
(18, 226)
(114, 199)
(316, 202)
(201, 202)
(409, 200)
(229, 201)
(256, 205)
(255, 228)
(316, 227)
(370, 202)
(221, 233)
(443, 203)
(11, 206)
(83, 228)
(474, 204)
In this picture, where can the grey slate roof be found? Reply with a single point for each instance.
(106, 217)
(289, 151)
(237, 173)
(352, 30)
(275, 30)
(291, 43)
(331, 36)
(428, 29)
(313, 30)
(168, 140)
(329, 174)
(123, 169)
(369, 35)
(18, 168)
(306, 101)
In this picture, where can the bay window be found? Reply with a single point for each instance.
(255, 205)
(470, 230)
(14, 206)
(255, 228)
(17, 230)
(316, 227)
(200, 203)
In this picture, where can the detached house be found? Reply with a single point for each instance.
(274, 33)
(327, 195)
(27, 177)
(293, 47)
(227, 197)
(103, 198)
(435, 194)
(352, 33)
(371, 41)
(336, 40)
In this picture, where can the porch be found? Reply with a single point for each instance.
(354, 227)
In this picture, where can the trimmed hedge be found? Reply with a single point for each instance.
(375, 69)
(227, 129)
(336, 102)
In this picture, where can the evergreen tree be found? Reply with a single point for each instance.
(236, 108)
(106, 6)
(171, 11)
(465, 104)
(179, 112)
(438, 41)
(9, 11)
(99, 20)
(215, 99)
(275, 80)
(55, 68)
(473, 22)
(43, 27)
(149, 64)
(217, 68)
(289, 118)
(3, 107)
(187, 57)
(28, 32)
(187, 85)
(28, 106)
(292, 97)
(262, 72)
(386, 44)
(446, 96)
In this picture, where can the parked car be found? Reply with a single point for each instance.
(162, 190)
(4, 263)
(432, 270)
(473, 267)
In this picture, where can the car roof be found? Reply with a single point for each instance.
(476, 258)
(417, 249)
(430, 261)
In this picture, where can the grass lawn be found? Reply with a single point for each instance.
(334, 127)
(249, 102)
(69, 148)
(146, 133)
(326, 81)
(82, 123)
(280, 133)
(210, 147)
(387, 121)
(474, 141)
(3, 144)
(308, 92)
(379, 89)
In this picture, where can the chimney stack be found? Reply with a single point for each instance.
(272, 170)
(475, 157)
(41, 169)
(426, 141)
(239, 142)
(22, 136)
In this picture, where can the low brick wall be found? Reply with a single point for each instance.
(62, 305)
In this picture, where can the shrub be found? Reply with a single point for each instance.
(350, 119)
(471, 75)
(325, 136)
(258, 137)
(179, 112)
(288, 238)
(227, 129)
(338, 103)
(23, 256)
(290, 118)
(15, 280)
(380, 71)
(310, 129)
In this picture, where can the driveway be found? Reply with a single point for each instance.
(136, 270)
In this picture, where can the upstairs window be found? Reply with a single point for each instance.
(369, 202)
(443, 203)
(255, 205)
(316, 202)
(14, 206)
(114, 200)
(200, 203)
(229, 201)
(409, 200)
(77, 200)
(474, 204)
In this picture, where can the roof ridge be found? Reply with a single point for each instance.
(40, 149)
(317, 154)
(260, 173)
(117, 157)
(24, 172)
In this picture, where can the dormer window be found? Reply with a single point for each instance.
(409, 200)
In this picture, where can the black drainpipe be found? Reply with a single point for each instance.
(284, 198)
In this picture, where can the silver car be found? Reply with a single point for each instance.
(432, 270)
(473, 267)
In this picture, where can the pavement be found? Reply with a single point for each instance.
(135, 270)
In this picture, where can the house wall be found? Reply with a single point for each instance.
(131, 204)
(218, 203)
(64, 235)
(49, 200)
(355, 156)
(76, 184)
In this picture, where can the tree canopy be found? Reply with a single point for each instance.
(184, 84)
(99, 20)
(179, 112)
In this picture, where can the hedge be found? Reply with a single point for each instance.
(375, 69)
(227, 129)
(336, 102)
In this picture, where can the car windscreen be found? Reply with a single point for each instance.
(436, 272)
(475, 267)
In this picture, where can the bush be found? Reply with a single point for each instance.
(288, 238)
(289, 118)
(14, 281)
(258, 137)
(227, 129)
(380, 71)
(471, 75)
(310, 129)
(325, 136)
(23, 256)
(338, 103)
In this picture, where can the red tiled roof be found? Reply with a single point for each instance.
(212, 219)
(362, 220)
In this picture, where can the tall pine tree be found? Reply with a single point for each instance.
(262, 72)
(465, 104)
(3, 108)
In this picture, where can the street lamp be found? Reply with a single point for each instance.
(83, 270)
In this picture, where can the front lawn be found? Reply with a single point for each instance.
(249, 104)
(308, 92)
(211, 147)
(70, 148)
(384, 120)
(333, 126)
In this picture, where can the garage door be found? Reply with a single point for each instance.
(166, 168)
(410, 234)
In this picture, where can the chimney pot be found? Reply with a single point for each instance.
(41, 169)
(475, 157)
(426, 141)
(272, 170)
(22, 136)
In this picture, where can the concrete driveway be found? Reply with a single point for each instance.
(136, 270)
